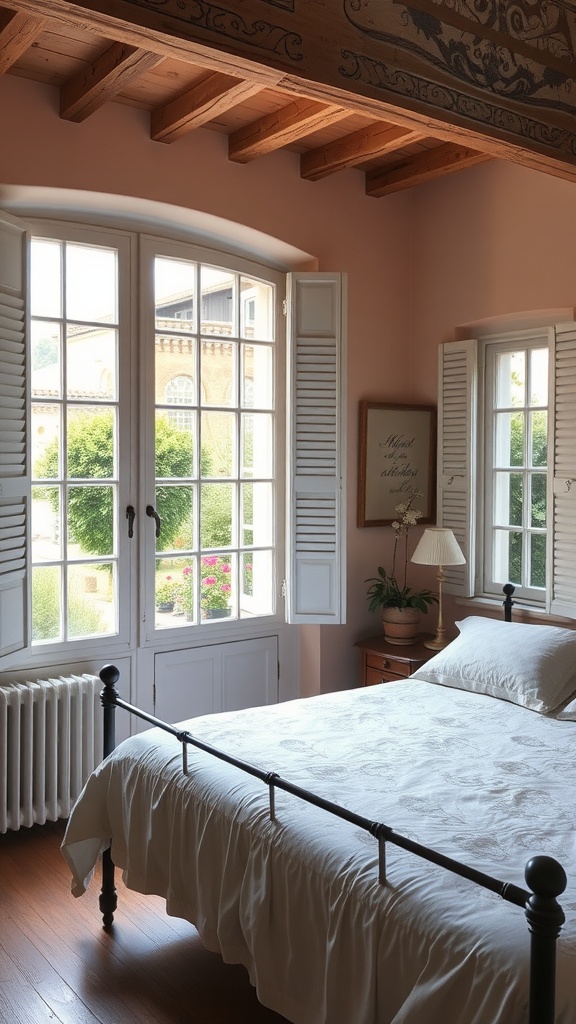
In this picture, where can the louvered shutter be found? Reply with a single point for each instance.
(563, 540)
(316, 528)
(457, 411)
(14, 480)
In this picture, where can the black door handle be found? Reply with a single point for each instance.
(130, 516)
(152, 513)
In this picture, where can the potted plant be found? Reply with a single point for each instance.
(401, 605)
(166, 593)
(215, 587)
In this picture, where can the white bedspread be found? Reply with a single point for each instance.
(298, 900)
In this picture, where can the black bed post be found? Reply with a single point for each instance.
(508, 589)
(547, 879)
(108, 899)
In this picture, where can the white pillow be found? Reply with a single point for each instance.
(534, 666)
(567, 713)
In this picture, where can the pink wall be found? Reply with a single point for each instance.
(490, 241)
(494, 240)
(332, 220)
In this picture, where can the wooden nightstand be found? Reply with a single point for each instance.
(382, 661)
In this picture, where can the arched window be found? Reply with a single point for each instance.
(180, 392)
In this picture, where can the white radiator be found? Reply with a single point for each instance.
(50, 741)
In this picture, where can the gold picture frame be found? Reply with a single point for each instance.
(397, 454)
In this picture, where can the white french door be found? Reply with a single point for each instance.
(212, 543)
(80, 417)
(198, 492)
(144, 453)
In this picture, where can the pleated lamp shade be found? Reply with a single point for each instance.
(438, 546)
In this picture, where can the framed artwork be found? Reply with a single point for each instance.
(397, 455)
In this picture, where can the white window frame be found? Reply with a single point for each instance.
(314, 587)
(150, 247)
(125, 243)
(492, 347)
(460, 465)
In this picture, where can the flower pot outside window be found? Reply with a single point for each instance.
(216, 613)
(166, 592)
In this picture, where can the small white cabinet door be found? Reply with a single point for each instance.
(219, 677)
(249, 675)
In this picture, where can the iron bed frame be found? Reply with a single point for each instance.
(544, 876)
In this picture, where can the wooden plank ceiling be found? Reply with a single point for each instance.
(90, 70)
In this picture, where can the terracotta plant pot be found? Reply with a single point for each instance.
(401, 625)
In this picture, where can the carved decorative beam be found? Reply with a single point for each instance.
(280, 128)
(391, 61)
(541, 36)
(17, 32)
(202, 103)
(108, 75)
(434, 163)
(354, 149)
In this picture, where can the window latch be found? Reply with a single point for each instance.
(130, 516)
(152, 513)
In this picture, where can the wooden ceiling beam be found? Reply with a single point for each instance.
(434, 163)
(372, 141)
(213, 96)
(512, 128)
(17, 33)
(281, 128)
(86, 92)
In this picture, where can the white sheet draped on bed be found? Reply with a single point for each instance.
(298, 901)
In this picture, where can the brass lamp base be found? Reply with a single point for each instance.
(437, 644)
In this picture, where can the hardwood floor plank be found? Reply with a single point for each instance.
(40, 975)
(59, 965)
(89, 960)
(19, 1002)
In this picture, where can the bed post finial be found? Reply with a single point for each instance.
(508, 589)
(547, 880)
(109, 675)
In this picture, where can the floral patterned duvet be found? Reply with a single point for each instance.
(297, 900)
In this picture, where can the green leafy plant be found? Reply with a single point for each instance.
(91, 457)
(83, 618)
(215, 585)
(538, 495)
(167, 590)
(385, 590)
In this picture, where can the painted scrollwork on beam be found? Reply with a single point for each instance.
(484, 113)
(546, 26)
(521, 50)
(286, 5)
(228, 24)
(500, 70)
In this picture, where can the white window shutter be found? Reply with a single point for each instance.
(563, 555)
(14, 476)
(457, 405)
(316, 457)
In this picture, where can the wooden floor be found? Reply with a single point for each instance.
(58, 964)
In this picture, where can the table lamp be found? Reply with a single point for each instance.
(438, 546)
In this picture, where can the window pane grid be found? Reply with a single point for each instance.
(222, 561)
(74, 408)
(516, 526)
